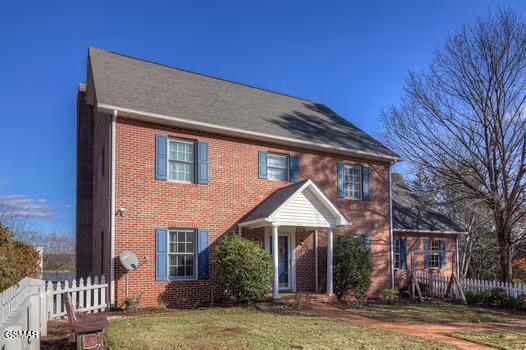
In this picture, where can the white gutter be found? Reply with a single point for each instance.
(431, 231)
(263, 221)
(391, 253)
(113, 148)
(192, 124)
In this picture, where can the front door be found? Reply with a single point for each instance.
(283, 260)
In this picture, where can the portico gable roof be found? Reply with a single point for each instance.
(301, 204)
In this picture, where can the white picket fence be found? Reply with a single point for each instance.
(86, 296)
(513, 290)
(23, 313)
(436, 285)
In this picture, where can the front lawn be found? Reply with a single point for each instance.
(243, 328)
(496, 339)
(441, 313)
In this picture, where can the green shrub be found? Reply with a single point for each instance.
(507, 302)
(353, 267)
(244, 268)
(391, 295)
(521, 302)
(496, 297)
(472, 297)
(500, 298)
(17, 260)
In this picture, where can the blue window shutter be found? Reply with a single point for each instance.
(161, 154)
(366, 184)
(442, 247)
(262, 165)
(367, 240)
(161, 254)
(426, 253)
(202, 163)
(294, 168)
(341, 180)
(203, 254)
(403, 253)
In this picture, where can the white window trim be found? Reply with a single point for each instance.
(168, 160)
(348, 166)
(434, 252)
(287, 157)
(397, 242)
(196, 260)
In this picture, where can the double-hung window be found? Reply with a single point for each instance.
(181, 165)
(182, 254)
(277, 167)
(397, 253)
(353, 182)
(434, 254)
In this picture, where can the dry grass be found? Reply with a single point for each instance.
(433, 313)
(506, 340)
(243, 328)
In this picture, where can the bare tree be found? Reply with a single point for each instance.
(464, 120)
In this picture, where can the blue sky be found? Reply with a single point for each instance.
(351, 55)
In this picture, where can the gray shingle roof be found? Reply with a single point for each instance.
(272, 202)
(139, 85)
(408, 214)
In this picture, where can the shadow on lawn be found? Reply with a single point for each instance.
(410, 313)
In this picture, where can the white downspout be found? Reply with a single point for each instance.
(113, 148)
(391, 227)
(457, 262)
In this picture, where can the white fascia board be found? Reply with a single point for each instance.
(299, 224)
(430, 232)
(196, 125)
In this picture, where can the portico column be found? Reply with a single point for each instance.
(275, 285)
(330, 244)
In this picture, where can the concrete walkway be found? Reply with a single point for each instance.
(433, 332)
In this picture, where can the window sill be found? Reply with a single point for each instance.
(282, 181)
(182, 182)
(173, 279)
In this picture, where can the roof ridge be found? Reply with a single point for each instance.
(204, 75)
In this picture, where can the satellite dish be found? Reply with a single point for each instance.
(129, 260)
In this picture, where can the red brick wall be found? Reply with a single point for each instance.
(415, 256)
(305, 262)
(233, 190)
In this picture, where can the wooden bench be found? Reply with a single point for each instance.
(89, 330)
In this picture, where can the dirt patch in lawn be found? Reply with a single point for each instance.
(224, 330)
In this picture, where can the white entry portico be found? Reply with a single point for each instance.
(302, 205)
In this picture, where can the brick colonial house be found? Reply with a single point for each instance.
(171, 161)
